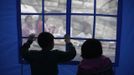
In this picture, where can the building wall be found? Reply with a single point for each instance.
(9, 64)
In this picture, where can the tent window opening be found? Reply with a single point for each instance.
(82, 19)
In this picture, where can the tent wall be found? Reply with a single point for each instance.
(8, 39)
(126, 57)
(9, 56)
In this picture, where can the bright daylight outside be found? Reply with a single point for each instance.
(50, 15)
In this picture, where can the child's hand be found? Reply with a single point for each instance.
(31, 37)
(67, 38)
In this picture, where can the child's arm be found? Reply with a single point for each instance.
(69, 53)
(26, 46)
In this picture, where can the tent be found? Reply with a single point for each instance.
(9, 42)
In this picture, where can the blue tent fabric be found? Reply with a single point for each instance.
(67, 69)
(8, 38)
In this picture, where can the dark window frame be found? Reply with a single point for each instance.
(68, 24)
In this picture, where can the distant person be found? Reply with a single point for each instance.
(39, 24)
(94, 63)
(28, 26)
(45, 62)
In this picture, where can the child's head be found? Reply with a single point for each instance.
(91, 48)
(46, 40)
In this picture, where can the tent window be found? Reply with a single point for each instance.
(81, 19)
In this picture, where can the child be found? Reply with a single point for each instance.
(94, 63)
(45, 62)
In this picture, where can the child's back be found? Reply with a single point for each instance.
(94, 63)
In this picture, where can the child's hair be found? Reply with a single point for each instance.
(91, 48)
(46, 40)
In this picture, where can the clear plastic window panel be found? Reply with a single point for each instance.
(31, 6)
(77, 44)
(109, 48)
(33, 46)
(106, 27)
(31, 24)
(59, 44)
(107, 7)
(81, 26)
(55, 6)
(56, 25)
(82, 6)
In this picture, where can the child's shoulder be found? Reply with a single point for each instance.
(95, 65)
